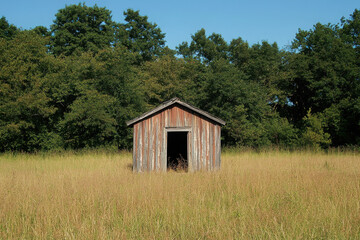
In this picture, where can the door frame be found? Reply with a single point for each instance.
(178, 129)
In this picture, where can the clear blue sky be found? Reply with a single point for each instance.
(252, 20)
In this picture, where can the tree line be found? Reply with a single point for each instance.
(75, 84)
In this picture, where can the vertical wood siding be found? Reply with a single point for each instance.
(150, 140)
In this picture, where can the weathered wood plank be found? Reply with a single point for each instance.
(182, 117)
(139, 163)
(146, 146)
(178, 114)
(211, 137)
(167, 118)
(164, 143)
(159, 137)
(219, 146)
(151, 142)
(134, 146)
(190, 166)
(203, 145)
(193, 137)
(213, 146)
(216, 145)
(155, 141)
(207, 142)
(198, 150)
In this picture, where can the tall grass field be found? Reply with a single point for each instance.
(95, 195)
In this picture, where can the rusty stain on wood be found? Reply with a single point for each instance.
(134, 146)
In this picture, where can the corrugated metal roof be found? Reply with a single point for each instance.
(171, 102)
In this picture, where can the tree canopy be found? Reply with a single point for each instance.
(82, 28)
(74, 84)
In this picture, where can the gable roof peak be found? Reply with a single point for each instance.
(169, 103)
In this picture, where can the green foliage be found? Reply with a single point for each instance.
(119, 77)
(343, 122)
(7, 31)
(314, 135)
(204, 48)
(280, 132)
(42, 31)
(82, 28)
(141, 36)
(165, 79)
(85, 81)
(89, 122)
(351, 30)
(24, 106)
(324, 77)
(240, 102)
(75, 85)
(324, 68)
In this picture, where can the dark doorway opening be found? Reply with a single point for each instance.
(177, 151)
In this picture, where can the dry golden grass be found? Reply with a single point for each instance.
(95, 195)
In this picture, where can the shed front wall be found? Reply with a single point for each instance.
(150, 140)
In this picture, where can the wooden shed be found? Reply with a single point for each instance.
(176, 133)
